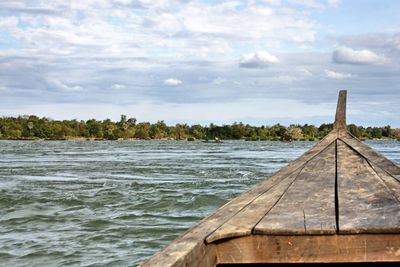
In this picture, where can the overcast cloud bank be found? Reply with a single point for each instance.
(199, 60)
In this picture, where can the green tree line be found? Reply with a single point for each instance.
(33, 127)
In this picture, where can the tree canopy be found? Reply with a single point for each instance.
(33, 127)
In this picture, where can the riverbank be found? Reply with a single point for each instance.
(33, 127)
(172, 139)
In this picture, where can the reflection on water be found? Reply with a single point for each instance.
(100, 203)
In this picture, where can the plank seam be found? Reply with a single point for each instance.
(336, 189)
(248, 204)
(376, 152)
(276, 202)
(373, 169)
(384, 182)
(368, 160)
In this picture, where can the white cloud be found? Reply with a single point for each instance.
(337, 75)
(168, 28)
(172, 82)
(56, 84)
(123, 2)
(118, 86)
(304, 72)
(260, 59)
(219, 80)
(346, 55)
(277, 26)
(388, 42)
(8, 22)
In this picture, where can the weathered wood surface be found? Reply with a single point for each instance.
(390, 181)
(308, 206)
(340, 118)
(243, 222)
(314, 151)
(209, 259)
(366, 204)
(310, 248)
(371, 155)
(184, 251)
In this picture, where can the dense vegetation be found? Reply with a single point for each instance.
(33, 127)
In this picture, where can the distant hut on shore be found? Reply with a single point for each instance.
(338, 202)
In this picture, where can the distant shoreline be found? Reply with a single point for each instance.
(31, 127)
(171, 139)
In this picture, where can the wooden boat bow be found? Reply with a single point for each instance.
(338, 202)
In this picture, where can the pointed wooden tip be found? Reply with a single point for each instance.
(340, 119)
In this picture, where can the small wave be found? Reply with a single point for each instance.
(47, 178)
(201, 201)
(43, 253)
(5, 255)
(97, 224)
(105, 237)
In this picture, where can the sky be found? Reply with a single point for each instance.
(201, 61)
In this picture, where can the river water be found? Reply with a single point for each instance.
(100, 203)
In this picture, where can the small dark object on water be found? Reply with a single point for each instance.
(216, 140)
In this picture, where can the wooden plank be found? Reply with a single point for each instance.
(209, 259)
(308, 206)
(179, 254)
(371, 154)
(390, 181)
(189, 244)
(340, 118)
(366, 205)
(310, 249)
(314, 151)
(243, 222)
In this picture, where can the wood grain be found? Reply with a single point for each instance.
(209, 259)
(243, 222)
(392, 183)
(310, 249)
(371, 155)
(340, 118)
(366, 204)
(308, 206)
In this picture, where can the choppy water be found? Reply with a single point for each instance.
(99, 203)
